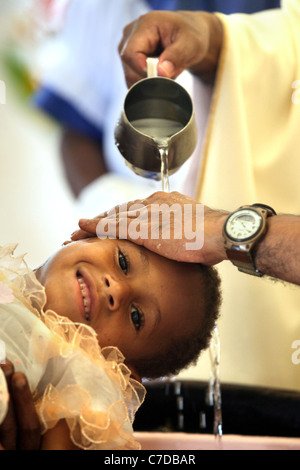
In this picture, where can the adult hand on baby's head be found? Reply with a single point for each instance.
(170, 224)
(20, 429)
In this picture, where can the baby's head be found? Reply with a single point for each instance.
(160, 313)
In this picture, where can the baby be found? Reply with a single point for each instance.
(128, 311)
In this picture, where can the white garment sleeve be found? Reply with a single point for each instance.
(253, 129)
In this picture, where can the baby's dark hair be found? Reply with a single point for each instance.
(184, 352)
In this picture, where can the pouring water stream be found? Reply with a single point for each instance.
(161, 135)
(214, 385)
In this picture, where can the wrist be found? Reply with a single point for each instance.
(278, 254)
(213, 251)
(221, 246)
(270, 246)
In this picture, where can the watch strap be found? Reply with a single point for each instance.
(244, 261)
(269, 209)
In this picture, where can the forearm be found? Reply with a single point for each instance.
(278, 254)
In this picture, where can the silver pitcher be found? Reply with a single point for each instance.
(157, 120)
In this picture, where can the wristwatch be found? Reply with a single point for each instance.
(242, 232)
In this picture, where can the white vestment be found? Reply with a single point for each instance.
(249, 154)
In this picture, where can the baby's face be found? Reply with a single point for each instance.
(133, 298)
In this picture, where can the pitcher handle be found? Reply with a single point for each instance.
(152, 63)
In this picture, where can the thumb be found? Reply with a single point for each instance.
(166, 68)
(170, 65)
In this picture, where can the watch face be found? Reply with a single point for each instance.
(243, 224)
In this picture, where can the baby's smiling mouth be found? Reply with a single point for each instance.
(85, 296)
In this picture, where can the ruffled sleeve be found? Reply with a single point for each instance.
(91, 388)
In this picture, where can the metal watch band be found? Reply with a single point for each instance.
(244, 261)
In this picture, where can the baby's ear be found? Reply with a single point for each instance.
(134, 374)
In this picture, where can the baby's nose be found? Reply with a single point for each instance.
(117, 292)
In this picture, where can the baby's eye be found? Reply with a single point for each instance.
(123, 262)
(137, 318)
